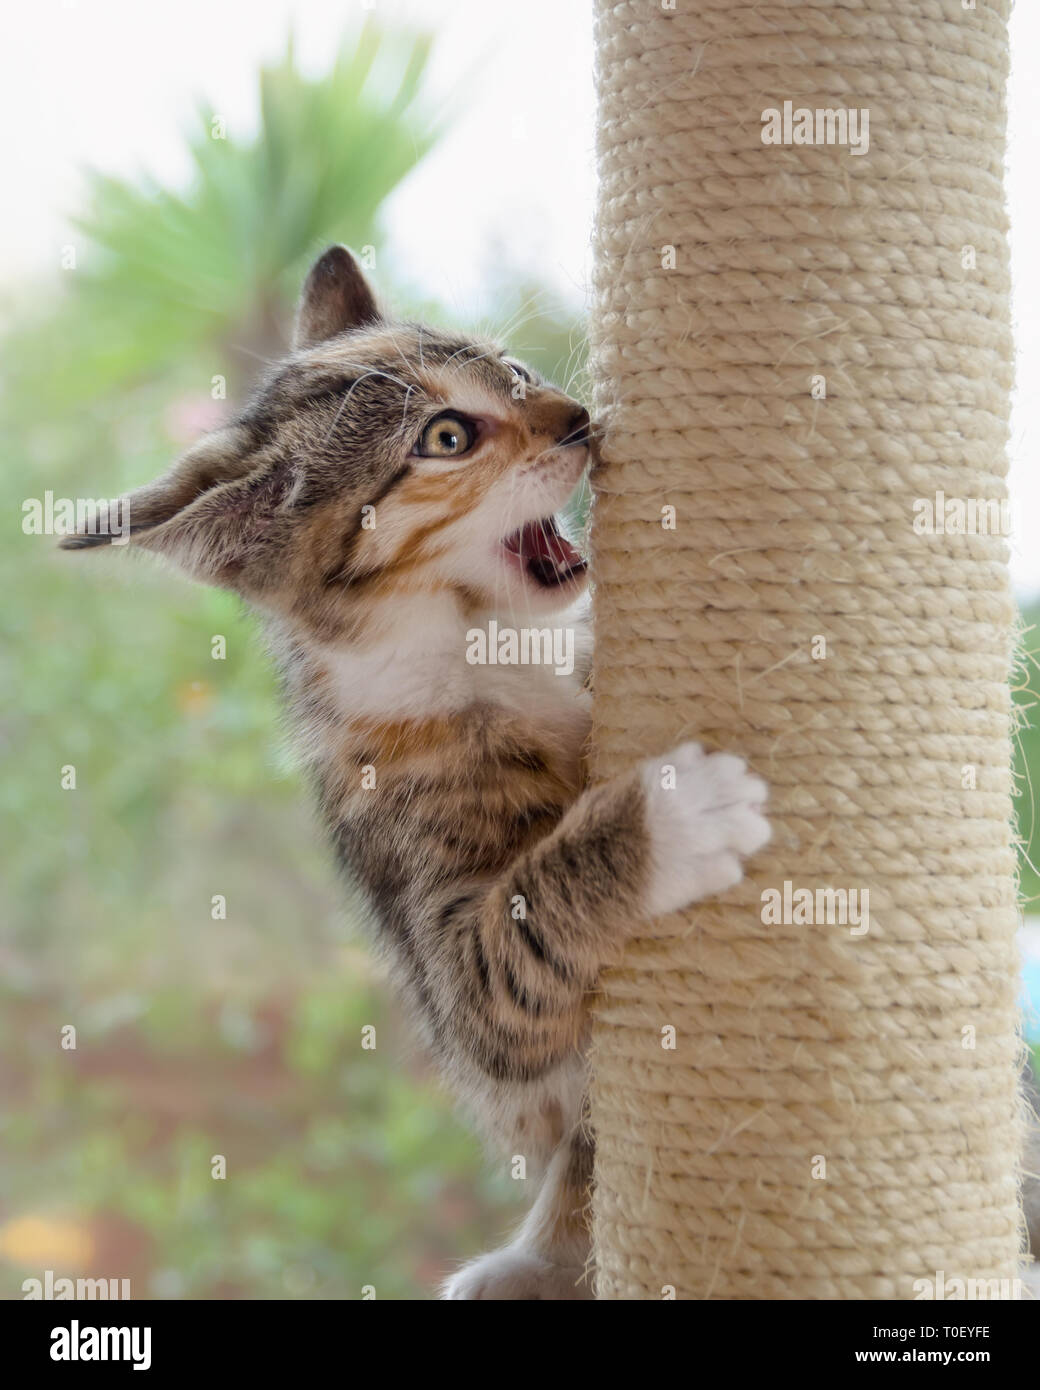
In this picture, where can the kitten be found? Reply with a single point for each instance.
(389, 490)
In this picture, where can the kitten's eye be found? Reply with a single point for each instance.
(519, 371)
(445, 437)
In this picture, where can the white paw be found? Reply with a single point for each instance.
(704, 816)
(516, 1273)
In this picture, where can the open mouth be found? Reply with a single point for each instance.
(546, 555)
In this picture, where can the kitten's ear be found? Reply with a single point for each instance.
(336, 297)
(195, 513)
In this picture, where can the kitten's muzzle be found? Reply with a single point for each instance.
(576, 429)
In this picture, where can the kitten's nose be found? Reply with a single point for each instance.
(577, 428)
(550, 415)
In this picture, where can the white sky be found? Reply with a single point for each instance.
(114, 82)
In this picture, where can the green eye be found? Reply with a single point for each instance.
(446, 437)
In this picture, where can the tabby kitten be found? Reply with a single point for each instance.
(390, 490)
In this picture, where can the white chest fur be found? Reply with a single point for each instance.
(432, 662)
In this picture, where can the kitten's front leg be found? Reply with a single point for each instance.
(532, 945)
(704, 816)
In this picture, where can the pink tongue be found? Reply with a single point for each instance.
(539, 539)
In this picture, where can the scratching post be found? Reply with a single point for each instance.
(797, 347)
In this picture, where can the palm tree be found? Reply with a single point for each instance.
(167, 275)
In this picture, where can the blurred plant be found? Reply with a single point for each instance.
(1026, 691)
(167, 273)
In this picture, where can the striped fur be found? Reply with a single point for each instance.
(455, 794)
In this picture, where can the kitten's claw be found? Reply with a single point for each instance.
(516, 1273)
(703, 818)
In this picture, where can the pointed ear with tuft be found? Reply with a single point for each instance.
(196, 514)
(336, 298)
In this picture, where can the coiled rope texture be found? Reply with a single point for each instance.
(794, 1042)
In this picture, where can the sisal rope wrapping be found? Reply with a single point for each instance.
(794, 520)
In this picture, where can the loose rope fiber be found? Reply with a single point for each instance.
(839, 1115)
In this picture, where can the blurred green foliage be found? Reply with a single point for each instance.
(1026, 685)
(162, 273)
(201, 1035)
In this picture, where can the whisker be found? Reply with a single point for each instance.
(374, 371)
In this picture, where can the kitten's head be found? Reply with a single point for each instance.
(379, 458)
